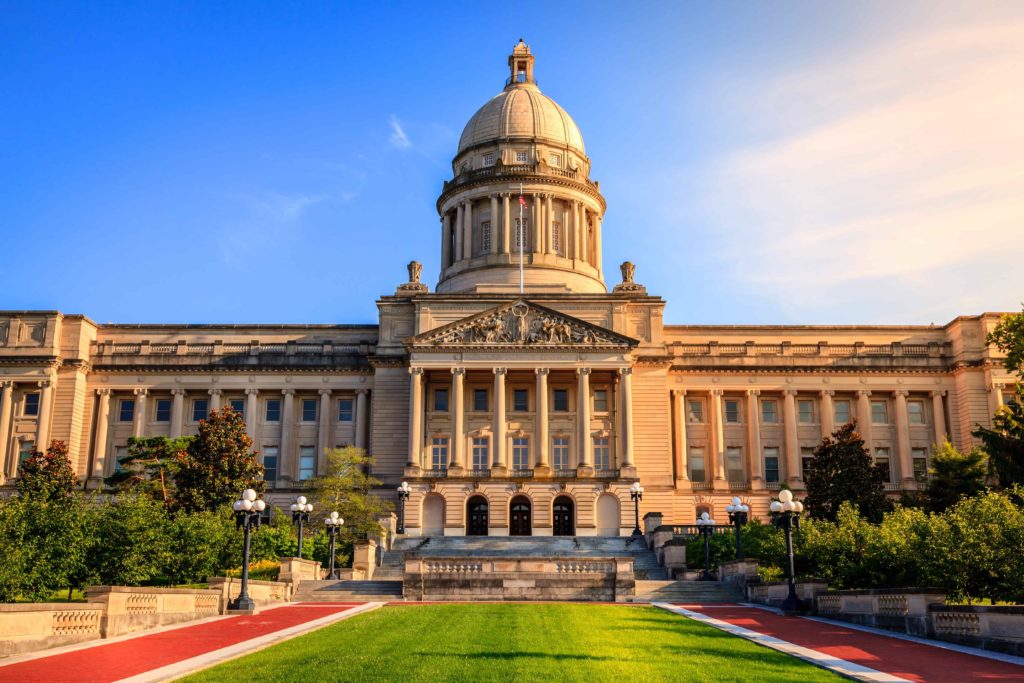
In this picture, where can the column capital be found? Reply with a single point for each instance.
(715, 392)
(864, 393)
(753, 392)
(938, 393)
(324, 392)
(458, 371)
(178, 391)
(215, 392)
(582, 371)
(789, 392)
(542, 371)
(141, 392)
(362, 392)
(251, 391)
(105, 391)
(44, 383)
(625, 371)
(415, 371)
(679, 392)
(901, 392)
(827, 392)
(287, 392)
(500, 371)
(6, 384)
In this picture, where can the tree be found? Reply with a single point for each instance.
(954, 475)
(150, 466)
(1008, 336)
(217, 465)
(198, 545)
(47, 476)
(346, 488)
(1004, 444)
(842, 471)
(131, 533)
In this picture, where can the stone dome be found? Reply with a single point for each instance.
(521, 110)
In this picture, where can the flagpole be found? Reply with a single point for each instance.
(521, 237)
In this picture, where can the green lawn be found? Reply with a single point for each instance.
(499, 642)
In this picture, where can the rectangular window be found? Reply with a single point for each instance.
(307, 462)
(481, 453)
(556, 236)
(200, 408)
(695, 410)
(520, 401)
(521, 228)
(770, 411)
(25, 450)
(734, 463)
(345, 410)
(163, 410)
(480, 400)
(879, 413)
(521, 157)
(489, 159)
(273, 410)
(560, 453)
(439, 453)
(771, 465)
(806, 455)
(882, 460)
(120, 453)
(126, 411)
(697, 471)
(485, 237)
(920, 456)
(602, 453)
(237, 405)
(915, 410)
(805, 411)
(521, 453)
(600, 400)
(841, 410)
(561, 402)
(31, 404)
(732, 410)
(270, 463)
(554, 160)
(440, 400)
(309, 409)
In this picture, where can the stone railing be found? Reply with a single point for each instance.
(714, 348)
(896, 609)
(774, 592)
(295, 570)
(998, 628)
(37, 626)
(127, 609)
(185, 352)
(526, 578)
(263, 593)
(502, 170)
(740, 572)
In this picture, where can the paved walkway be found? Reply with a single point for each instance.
(156, 656)
(861, 654)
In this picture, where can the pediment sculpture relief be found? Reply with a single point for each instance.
(524, 324)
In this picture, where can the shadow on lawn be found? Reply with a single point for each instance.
(514, 655)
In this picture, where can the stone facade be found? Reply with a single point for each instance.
(522, 396)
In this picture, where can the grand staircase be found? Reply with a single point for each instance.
(688, 592)
(348, 591)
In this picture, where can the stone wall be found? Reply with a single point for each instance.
(774, 592)
(899, 609)
(473, 578)
(998, 628)
(37, 626)
(263, 593)
(127, 609)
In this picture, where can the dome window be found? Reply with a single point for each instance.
(489, 159)
(555, 161)
(521, 157)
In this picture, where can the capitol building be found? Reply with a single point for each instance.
(529, 388)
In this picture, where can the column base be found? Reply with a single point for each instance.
(720, 485)
(412, 471)
(757, 484)
(499, 471)
(796, 483)
(909, 484)
(684, 485)
(584, 471)
(542, 472)
(456, 471)
(627, 472)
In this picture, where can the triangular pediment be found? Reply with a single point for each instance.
(521, 323)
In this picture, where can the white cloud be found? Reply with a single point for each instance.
(891, 185)
(398, 137)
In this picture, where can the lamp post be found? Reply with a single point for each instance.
(706, 527)
(403, 495)
(636, 492)
(333, 524)
(786, 516)
(738, 513)
(300, 515)
(247, 517)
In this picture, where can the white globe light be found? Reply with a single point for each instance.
(736, 500)
(260, 505)
(301, 500)
(327, 521)
(705, 516)
(744, 508)
(309, 507)
(294, 507)
(787, 506)
(798, 506)
(246, 505)
(334, 515)
(340, 521)
(249, 494)
(776, 506)
(237, 506)
(785, 495)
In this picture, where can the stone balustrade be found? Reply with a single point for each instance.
(998, 628)
(897, 609)
(37, 626)
(295, 570)
(527, 578)
(263, 593)
(740, 572)
(127, 609)
(774, 592)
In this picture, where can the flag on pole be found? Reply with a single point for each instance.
(522, 199)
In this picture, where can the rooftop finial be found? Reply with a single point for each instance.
(520, 63)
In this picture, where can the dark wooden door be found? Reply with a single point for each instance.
(476, 522)
(564, 523)
(519, 518)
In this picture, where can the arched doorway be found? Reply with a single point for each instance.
(476, 516)
(564, 514)
(607, 515)
(433, 515)
(520, 522)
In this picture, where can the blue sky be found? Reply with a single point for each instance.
(788, 162)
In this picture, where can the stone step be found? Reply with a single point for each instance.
(342, 591)
(687, 591)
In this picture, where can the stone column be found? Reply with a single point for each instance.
(549, 221)
(362, 418)
(828, 413)
(506, 224)
(446, 241)
(415, 417)
(43, 426)
(287, 464)
(323, 436)
(542, 418)
(627, 417)
(467, 236)
(718, 437)
(583, 415)
(215, 395)
(997, 391)
(251, 403)
(538, 231)
(903, 439)
(139, 424)
(457, 461)
(793, 473)
(499, 420)
(754, 461)
(598, 260)
(6, 405)
(494, 224)
(939, 417)
(459, 233)
(177, 412)
(99, 444)
(584, 242)
(682, 465)
(864, 420)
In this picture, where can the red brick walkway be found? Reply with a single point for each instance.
(106, 662)
(914, 661)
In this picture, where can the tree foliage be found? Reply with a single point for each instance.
(47, 476)
(1008, 336)
(1004, 444)
(843, 471)
(954, 475)
(150, 466)
(346, 489)
(217, 465)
